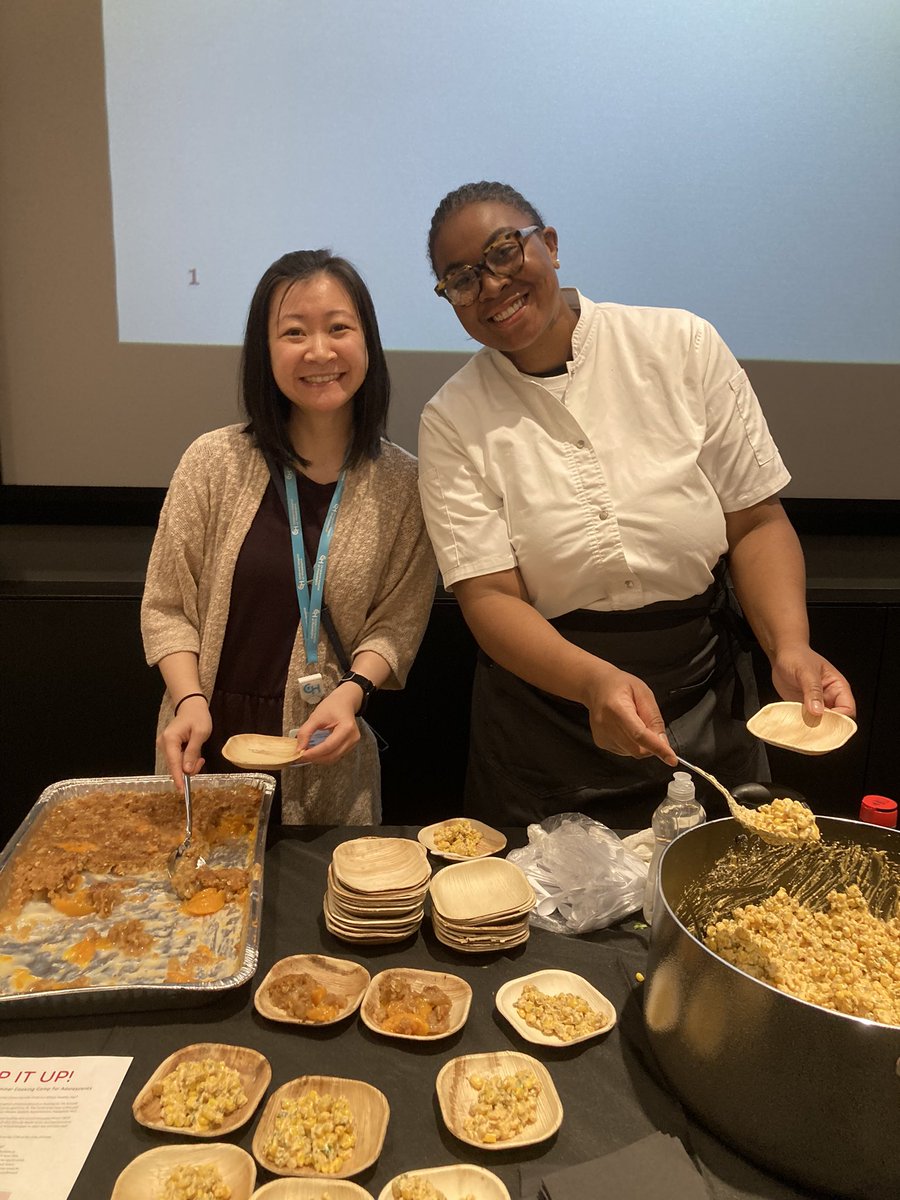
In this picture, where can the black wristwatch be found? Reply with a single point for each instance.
(368, 687)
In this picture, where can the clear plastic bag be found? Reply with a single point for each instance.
(583, 874)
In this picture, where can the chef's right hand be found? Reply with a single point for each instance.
(182, 739)
(625, 718)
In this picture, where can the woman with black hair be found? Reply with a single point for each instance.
(585, 478)
(291, 574)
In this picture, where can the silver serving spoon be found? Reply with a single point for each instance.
(179, 852)
(747, 818)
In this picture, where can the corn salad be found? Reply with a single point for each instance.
(561, 1014)
(194, 1181)
(457, 837)
(789, 818)
(200, 1094)
(842, 958)
(506, 1104)
(416, 1187)
(312, 1131)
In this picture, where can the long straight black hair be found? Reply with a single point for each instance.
(266, 406)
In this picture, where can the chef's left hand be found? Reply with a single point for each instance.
(799, 673)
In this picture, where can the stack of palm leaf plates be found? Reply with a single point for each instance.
(376, 889)
(481, 905)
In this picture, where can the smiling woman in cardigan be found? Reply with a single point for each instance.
(291, 574)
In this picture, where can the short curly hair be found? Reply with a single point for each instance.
(476, 193)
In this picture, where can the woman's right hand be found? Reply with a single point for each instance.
(625, 718)
(183, 738)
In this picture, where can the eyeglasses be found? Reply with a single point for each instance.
(501, 257)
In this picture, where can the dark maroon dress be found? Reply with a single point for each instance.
(263, 615)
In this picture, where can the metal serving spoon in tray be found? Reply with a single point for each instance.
(179, 852)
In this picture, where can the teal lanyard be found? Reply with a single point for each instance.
(309, 595)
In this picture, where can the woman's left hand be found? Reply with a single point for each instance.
(336, 715)
(799, 673)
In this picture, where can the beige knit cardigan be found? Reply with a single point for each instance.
(379, 587)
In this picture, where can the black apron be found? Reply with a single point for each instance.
(531, 754)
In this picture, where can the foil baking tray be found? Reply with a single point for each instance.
(40, 943)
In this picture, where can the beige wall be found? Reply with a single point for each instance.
(78, 408)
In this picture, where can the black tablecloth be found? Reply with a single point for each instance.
(609, 1088)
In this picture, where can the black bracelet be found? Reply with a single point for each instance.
(368, 687)
(189, 696)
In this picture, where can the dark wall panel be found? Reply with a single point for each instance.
(426, 725)
(79, 701)
(883, 767)
(853, 638)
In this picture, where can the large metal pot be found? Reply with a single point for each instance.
(808, 1093)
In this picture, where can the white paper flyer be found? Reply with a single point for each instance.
(51, 1110)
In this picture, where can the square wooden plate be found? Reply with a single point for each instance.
(460, 1179)
(457, 990)
(490, 840)
(294, 1188)
(456, 1096)
(788, 725)
(380, 864)
(551, 983)
(145, 1175)
(370, 1111)
(342, 977)
(253, 1068)
(480, 890)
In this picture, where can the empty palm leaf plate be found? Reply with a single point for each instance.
(788, 725)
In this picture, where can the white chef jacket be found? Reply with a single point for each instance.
(613, 498)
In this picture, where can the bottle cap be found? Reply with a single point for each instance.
(878, 810)
(681, 786)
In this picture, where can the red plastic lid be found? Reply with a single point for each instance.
(879, 810)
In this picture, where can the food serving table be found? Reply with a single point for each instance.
(609, 1087)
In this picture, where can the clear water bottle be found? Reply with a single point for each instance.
(679, 811)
